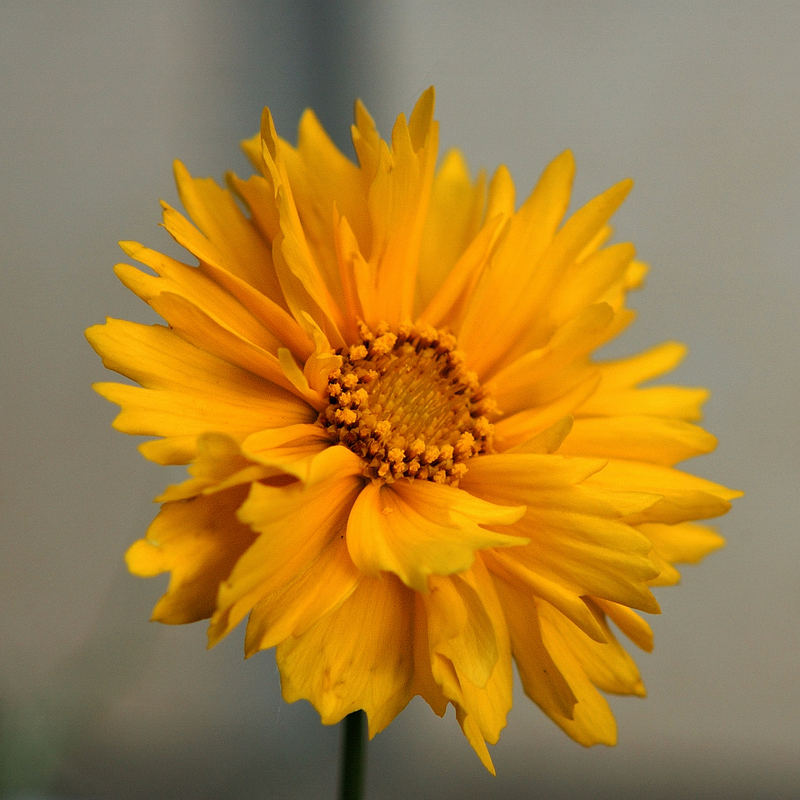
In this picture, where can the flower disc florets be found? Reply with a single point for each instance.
(403, 401)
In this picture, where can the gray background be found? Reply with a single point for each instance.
(697, 101)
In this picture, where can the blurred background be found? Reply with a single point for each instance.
(698, 101)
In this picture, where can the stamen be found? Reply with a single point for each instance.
(403, 401)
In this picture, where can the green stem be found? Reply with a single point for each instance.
(354, 753)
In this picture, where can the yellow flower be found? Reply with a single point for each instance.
(407, 469)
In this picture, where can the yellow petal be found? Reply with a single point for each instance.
(460, 630)
(470, 654)
(501, 197)
(397, 201)
(594, 244)
(421, 123)
(354, 273)
(532, 318)
(667, 574)
(662, 441)
(592, 721)
(291, 610)
(158, 358)
(547, 374)
(425, 684)
(264, 441)
(171, 450)
(269, 313)
(322, 361)
(154, 412)
(301, 278)
(547, 441)
(294, 450)
(541, 678)
(629, 622)
(195, 287)
(523, 426)
(216, 213)
(366, 142)
(451, 299)
(218, 465)
(298, 381)
(596, 279)
(454, 218)
(195, 326)
(627, 372)
(198, 541)
(679, 402)
(207, 252)
(322, 178)
(497, 295)
(606, 663)
(333, 178)
(258, 193)
(580, 228)
(295, 523)
(533, 581)
(686, 541)
(588, 557)
(575, 542)
(522, 475)
(684, 496)
(302, 285)
(637, 271)
(552, 481)
(358, 656)
(616, 395)
(418, 529)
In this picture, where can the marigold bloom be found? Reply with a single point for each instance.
(407, 468)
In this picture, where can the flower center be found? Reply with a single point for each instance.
(404, 403)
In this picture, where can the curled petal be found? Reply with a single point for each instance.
(418, 529)
(470, 654)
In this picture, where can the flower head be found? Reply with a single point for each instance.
(407, 468)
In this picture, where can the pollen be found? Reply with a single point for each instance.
(403, 401)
